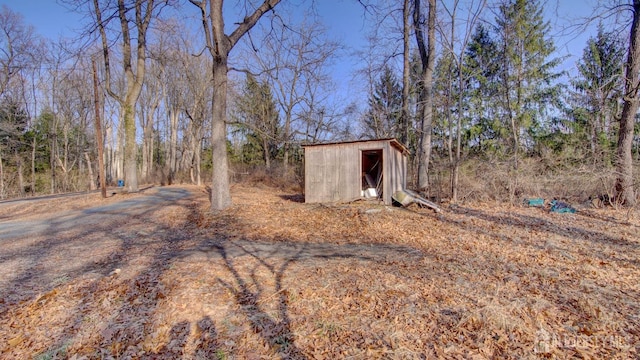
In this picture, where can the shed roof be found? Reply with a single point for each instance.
(394, 142)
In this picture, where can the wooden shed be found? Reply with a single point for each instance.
(350, 170)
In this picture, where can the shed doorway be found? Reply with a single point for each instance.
(372, 173)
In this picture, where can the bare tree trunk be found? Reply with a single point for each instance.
(52, 159)
(456, 162)
(150, 159)
(220, 194)
(624, 161)
(146, 121)
(198, 161)
(427, 56)
(594, 141)
(65, 167)
(145, 160)
(33, 166)
(92, 179)
(147, 152)
(173, 145)
(109, 162)
(119, 150)
(265, 148)
(98, 129)
(20, 164)
(2, 195)
(404, 131)
(130, 148)
(285, 145)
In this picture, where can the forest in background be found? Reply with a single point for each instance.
(506, 122)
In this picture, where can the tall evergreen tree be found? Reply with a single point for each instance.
(383, 118)
(485, 130)
(526, 74)
(258, 118)
(13, 125)
(599, 87)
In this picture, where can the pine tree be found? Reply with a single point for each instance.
(599, 88)
(13, 125)
(526, 75)
(259, 121)
(383, 118)
(485, 131)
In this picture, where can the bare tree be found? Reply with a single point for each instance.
(456, 46)
(219, 45)
(98, 130)
(170, 54)
(149, 102)
(294, 58)
(426, 47)
(195, 102)
(143, 13)
(624, 160)
(406, 81)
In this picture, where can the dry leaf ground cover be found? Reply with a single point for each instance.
(272, 277)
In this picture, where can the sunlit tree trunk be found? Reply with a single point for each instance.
(33, 166)
(2, 195)
(91, 178)
(219, 45)
(220, 196)
(406, 32)
(625, 193)
(426, 48)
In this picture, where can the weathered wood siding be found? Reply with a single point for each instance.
(333, 172)
(396, 172)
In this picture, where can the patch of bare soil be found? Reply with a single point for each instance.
(276, 278)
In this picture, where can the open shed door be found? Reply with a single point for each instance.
(372, 173)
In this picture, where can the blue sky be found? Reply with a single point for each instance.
(48, 17)
(343, 18)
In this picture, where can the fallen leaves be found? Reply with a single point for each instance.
(272, 277)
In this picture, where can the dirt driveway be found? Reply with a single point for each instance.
(44, 247)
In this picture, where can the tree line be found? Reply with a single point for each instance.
(497, 95)
(457, 82)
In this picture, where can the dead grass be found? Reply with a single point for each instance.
(276, 278)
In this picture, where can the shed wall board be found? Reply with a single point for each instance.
(332, 173)
(397, 172)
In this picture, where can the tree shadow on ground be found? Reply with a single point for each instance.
(37, 282)
(69, 231)
(136, 298)
(541, 224)
(600, 217)
(277, 333)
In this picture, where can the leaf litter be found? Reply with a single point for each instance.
(272, 277)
